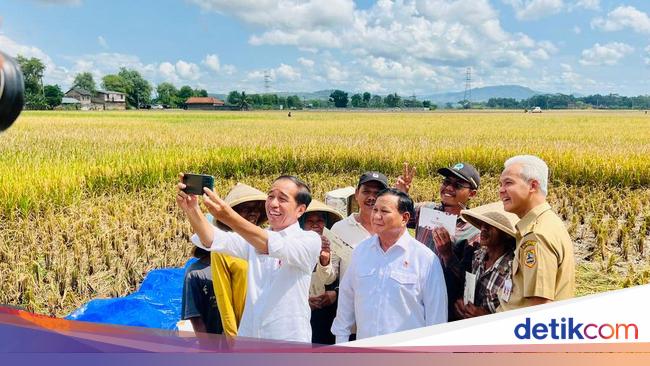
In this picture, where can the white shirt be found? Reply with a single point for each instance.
(278, 283)
(353, 233)
(386, 292)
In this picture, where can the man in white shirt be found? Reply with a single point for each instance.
(393, 283)
(353, 229)
(280, 259)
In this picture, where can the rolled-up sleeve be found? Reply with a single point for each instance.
(225, 242)
(345, 317)
(301, 251)
(435, 295)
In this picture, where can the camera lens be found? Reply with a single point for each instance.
(12, 91)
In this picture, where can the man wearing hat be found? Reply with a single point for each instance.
(280, 259)
(352, 230)
(217, 306)
(460, 184)
(543, 268)
(492, 262)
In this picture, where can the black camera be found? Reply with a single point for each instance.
(12, 91)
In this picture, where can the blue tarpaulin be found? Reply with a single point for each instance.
(157, 304)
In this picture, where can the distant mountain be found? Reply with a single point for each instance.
(483, 94)
(478, 94)
(319, 94)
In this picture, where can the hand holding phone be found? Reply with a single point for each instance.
(194, 183)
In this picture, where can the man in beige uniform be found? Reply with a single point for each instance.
(543, 266)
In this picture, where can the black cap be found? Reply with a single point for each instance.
(464, 171)
(373, 177)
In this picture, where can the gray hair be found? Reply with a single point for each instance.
(532, 168)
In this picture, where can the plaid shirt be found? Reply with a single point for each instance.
(490, 281)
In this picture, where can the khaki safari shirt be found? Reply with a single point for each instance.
(543, 265)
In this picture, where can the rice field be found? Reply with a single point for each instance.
(87, 198)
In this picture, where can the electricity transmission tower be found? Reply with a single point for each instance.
(467, 96)
(267, 81)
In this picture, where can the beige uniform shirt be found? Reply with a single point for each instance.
(543, 265)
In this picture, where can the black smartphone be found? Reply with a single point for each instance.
(194, 183)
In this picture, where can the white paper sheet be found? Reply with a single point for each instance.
(338, 246)
(432, 219)
(470, 288)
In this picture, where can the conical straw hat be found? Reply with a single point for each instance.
(492, 214)
(332, 215)
(242, 193)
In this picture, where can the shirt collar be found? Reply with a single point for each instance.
(402, 242)
(295, 227)
(525, 224)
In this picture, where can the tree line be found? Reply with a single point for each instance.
(563, 101)
(139, 93)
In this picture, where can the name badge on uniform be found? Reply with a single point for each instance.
(506, 290)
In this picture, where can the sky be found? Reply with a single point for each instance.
(409, 47)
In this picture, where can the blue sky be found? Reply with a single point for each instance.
(421, 47)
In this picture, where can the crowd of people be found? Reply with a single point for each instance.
(270, 265)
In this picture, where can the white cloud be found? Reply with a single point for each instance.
(286, 72)
(433, 32)
(588, 4)
(102, 42)
(229, 69)
(212, 62)
(286, 14)
(535, 9)
(623, 17)
(305, 62)
(577, 30)
(646, 59)
(607, 54)
(188, 70)
(52, 74)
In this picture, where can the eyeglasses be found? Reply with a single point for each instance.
(454, 184)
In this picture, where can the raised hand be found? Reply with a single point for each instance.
(187, 202)
(325, 251)
(404, 181)
(216, 206)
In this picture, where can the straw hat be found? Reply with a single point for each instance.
(317, 206)
(242, 193)
(494, 215)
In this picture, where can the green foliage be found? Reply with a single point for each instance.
(85, 81)
(138, 90)
(340, 98)
(376, 102)
(356, 100)
(185, 92)
(233, 97)
(114, 82)
(167, 94)
(53, 95)
(200, 93)
(32, 70)
(366, 98)
(392, 100)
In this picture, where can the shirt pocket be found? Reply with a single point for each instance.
(404, 278)
(366, 281)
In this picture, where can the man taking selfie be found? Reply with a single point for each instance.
(280, 258)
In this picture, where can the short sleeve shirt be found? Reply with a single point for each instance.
(544, 264)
